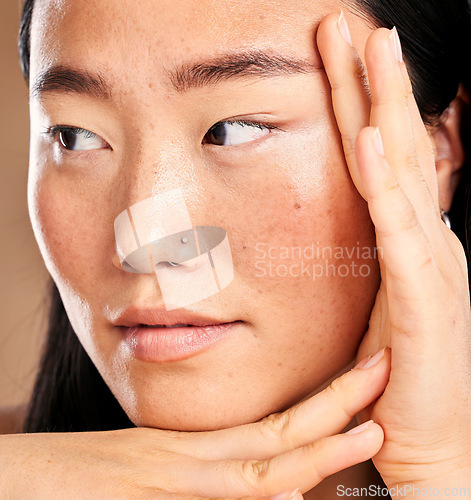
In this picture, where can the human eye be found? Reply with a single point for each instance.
(235, 132)
(77, 139)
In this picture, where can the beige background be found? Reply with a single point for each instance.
(22, 271)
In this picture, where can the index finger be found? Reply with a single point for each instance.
(347, 78)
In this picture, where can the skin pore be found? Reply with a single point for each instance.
(288, 188)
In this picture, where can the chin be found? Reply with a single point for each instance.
(190, 419)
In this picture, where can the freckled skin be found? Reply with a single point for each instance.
(291, 189)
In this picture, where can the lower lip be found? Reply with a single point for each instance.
(159, 344)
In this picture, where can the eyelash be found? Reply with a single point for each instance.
(243, 123)
(55, 130)
(248, 123)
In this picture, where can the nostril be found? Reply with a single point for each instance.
(181, 267)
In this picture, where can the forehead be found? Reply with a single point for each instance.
(146, 35)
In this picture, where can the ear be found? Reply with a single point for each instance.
(449, 150)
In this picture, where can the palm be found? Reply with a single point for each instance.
(412, 409)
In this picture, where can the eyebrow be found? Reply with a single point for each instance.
(243, 65)
(66, 79)
(232, 66)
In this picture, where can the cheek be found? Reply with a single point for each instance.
(70, 222)
(297, 198)
(304, 246)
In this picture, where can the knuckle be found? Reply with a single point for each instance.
(360, 71)
(317, 467)
(336, 387)
(392, 190)
(349, 146)
(274, 424)
(254, 475)
(408, 220)
(277, 426)
(317, 471)
(406, 217)
(337, 393)
(337, 85)
(412, 160)
(381, 102)
(427, 261)
(388, 102)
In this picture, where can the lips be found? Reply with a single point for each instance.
(160, 317)
(167, 326)
(178, 325)
(157, 335)
(164, 343)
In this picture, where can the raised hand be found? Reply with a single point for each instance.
(422, 307)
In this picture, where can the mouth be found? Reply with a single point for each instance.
(175, 342)
(160, 317)
(180, 325)
(158, 335)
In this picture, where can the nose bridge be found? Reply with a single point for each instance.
(153, 195)
(158, 163)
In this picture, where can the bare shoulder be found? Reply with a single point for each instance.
(11, 418)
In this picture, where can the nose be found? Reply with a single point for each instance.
(156, 235)
(147, 232)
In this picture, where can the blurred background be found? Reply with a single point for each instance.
(23, 275)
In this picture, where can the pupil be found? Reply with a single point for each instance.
(68, 139)
(218, 133)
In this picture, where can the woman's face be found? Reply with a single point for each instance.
(305, 274)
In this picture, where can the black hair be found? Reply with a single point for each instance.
(436, 43)
(69, 394)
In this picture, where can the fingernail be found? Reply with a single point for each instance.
(378, 142)
(371, 360)
(289, 495)
(362, 362)
(396, 44)
(374, 359)
(343, 29)
(360, 428)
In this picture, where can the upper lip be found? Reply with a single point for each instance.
(135, 316)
